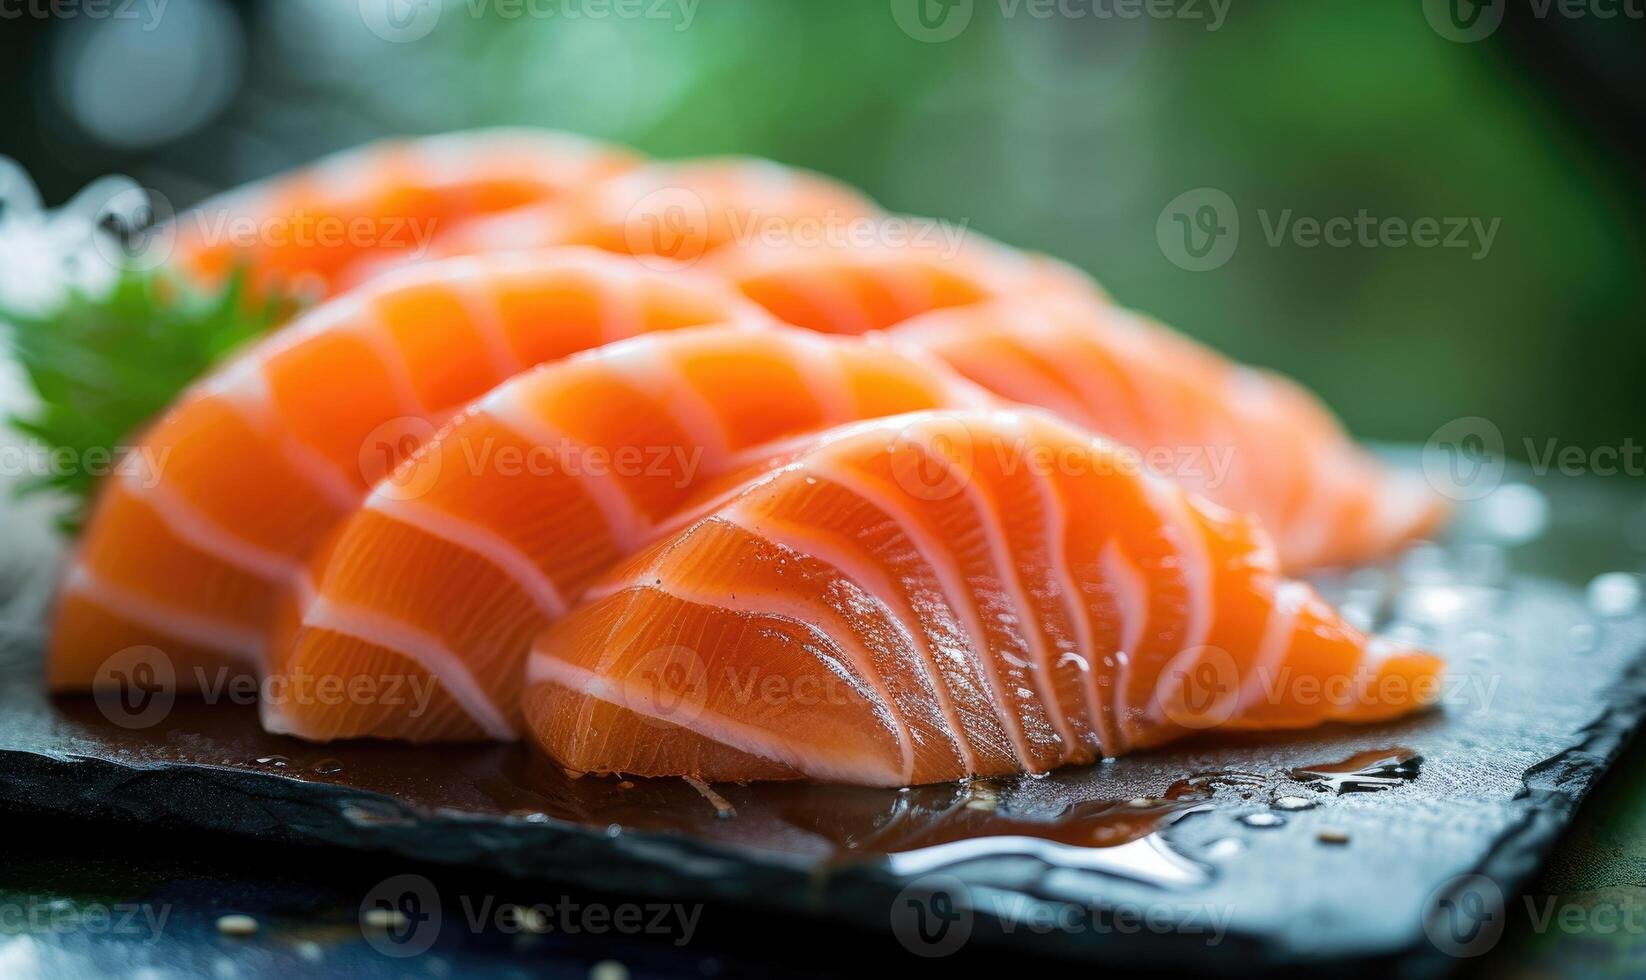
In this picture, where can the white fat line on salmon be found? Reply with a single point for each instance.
(679, 464)
(570, 918)
(1275, 642)
(823, 371)
(622, 515)
(808, 758)
(486, 316)
(1107, 372)
(189, 523)
(618, 302)
(1171, 506)
(1016, 912)
(1099, 717)
(956, 595)
(1129, 591)
(373, 330)
(1009, 379)
(869, 686)
(231, 639)
(659, 370)
(877, 589)
(1207, 466)
(479, 540)
(243, 386)
(382, 630)
(985, 508)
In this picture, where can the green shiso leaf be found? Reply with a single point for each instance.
(104, 366)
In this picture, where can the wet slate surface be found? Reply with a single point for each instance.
(1545, 687)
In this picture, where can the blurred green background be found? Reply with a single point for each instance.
(1062, 129)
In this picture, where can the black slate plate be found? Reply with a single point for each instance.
(1207, 869)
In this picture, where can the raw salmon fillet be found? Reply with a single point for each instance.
(192, 546)
(494, 527)
(315, 229)
(1036, 331)
(1247, 439)
(852, 289)
(676, 210)
(944, 595)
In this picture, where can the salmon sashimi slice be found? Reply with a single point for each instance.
(676, 210)
(494, 527)
(1244, 438)
(848, 288)
(312, 229)
(943, 595)
(192, 546)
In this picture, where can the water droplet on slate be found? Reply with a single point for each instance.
(1363, 772)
